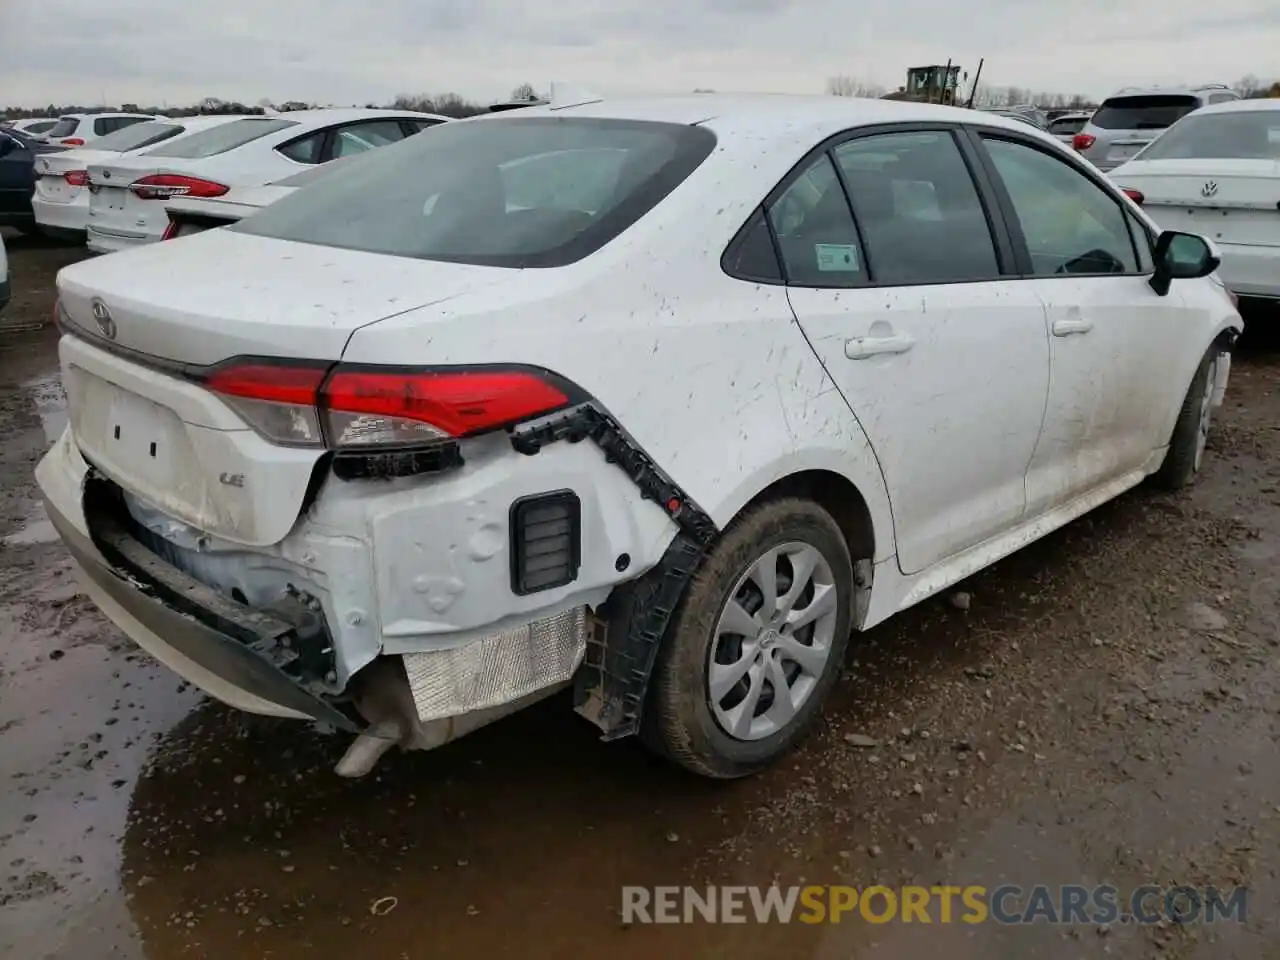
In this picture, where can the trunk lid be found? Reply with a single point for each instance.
(168, 440)
(51, 168)
(1237, 203)
(115, 209)
(221, 294)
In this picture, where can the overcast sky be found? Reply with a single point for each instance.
(353, 51)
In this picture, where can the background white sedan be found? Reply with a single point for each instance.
(61, 199)
(1216, 172)
(34, 126)
(79, 129)
(249, 151)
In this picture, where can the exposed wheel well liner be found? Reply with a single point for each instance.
(835, 494)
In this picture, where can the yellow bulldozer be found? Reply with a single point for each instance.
(936, 83)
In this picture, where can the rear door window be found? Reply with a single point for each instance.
(816, 235)
(1144, 112)
(304, 149)
(357, 138)
(220, 139)
(919, 210)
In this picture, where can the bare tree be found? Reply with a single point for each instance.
(1248, 85)
(524, 92)
(846, 86)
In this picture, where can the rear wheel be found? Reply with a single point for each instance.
(1191, 432)
(756, 643)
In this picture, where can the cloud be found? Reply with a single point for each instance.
(150, 51)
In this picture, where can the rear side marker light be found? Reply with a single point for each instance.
(165, 186)
(1135, 195)
(358, 409)
(72, 142)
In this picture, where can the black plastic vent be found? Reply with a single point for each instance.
(546, 541)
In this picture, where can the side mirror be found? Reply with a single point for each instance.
(1182, 256)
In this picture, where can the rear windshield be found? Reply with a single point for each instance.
(220, 139)
(510, 192)
(1252, 135)
(1068, 125)
(1146, 112)
(65, 127)
(138, 135)
(40, 126)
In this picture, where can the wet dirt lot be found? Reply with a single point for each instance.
(1106, 709)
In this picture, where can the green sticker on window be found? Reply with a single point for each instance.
(836, 257)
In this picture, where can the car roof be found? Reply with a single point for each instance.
(1178, 90)
(1242, 106)
(764, 114)
(326, 115)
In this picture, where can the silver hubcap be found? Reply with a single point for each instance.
(1206, 413)
(772, 641)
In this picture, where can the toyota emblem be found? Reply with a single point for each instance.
(102, 317)
(1209, 189)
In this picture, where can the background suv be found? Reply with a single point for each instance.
(1131, 118)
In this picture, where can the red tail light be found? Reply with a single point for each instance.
(360, 407)
(1135, 195)
(72, 142)
(163, 186)
(76, 178)
(1083, 141)
(379, 407)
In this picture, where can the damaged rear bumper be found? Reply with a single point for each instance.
(224, 666)
(249, 657)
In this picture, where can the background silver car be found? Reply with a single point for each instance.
(1131, 118)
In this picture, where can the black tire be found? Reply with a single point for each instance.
(1179, 467)
(679, 721)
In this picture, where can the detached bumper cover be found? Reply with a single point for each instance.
(215, 651)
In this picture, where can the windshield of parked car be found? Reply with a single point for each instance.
(137, 135)
(502, 191)
(1144, 112)
(1247, 135)
(40, 126)
(65, 127)
(220, 139)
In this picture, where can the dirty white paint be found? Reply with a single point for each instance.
(990, 431)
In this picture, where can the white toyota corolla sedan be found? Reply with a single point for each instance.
(657, 400)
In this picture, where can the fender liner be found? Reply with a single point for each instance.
(610, 687)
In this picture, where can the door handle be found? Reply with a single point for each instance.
(1069, 328)
(862, 347)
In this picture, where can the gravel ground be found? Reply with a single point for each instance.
(1101, 707)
